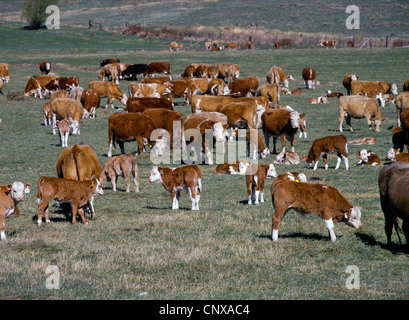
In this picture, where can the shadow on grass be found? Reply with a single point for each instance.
(371, 241)
(311, 236)
(64, 212)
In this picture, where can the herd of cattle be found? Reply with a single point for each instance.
(222, 104)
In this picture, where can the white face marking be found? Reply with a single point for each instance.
(159, 146)
(271, 173)
(355, 218)
(218, 132)
(17, 191)
(155, 175)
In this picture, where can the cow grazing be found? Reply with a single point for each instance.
(202, 129)
(66, 108)
(187, 178)
(109, 90)
(120, 166)
(393, 190)
(109, 71)
(239, 114)
(228, 71)
(76, 93)
(318, 100)
(280, 123)
(45, 67)
(78, 193)
(35, 85)
(271, 91)
(174, 46)
(134, 104)
(394, 155)
(255, 143)
(159, 67)
(217, 87)
(232, 46)
(152, 90)
(365, 140)
(368, 158)
(347, 82)
(90, 100)
(287, 157)
(63, 127)
(5, 72)
(322, 146)
(309, 74)
(61, 83)
(328, 44)
(232, 167)
(402, 103)
(256, 176)
(359, 107)
(158, 80)
(10, 196)
(276, 75)
(133, 71)
(321, 199)
(125, 127)
(364, 87)
(108, 61)
(244, 86)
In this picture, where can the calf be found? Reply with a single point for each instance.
(323, 200)
(63, 127)
(363, 87)
(78, 193)
(368, 158)
(393, 190)
(289, 176)
(328, 44)
(67, 108)
(187, 178)
(232, 167)
(318, 100)
(394, 155)
(366, 140)
(159, 67)
(276, 75)
(331, 94)
(287, 157)
(120, 166)
(255, 141)
(280, 123)
(272, 92)
(175, 46)
(256, 176)
(322, 146)
(10, 196)
(90, 100)
(244, 86)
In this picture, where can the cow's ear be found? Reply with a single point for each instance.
(9, 187)
(160, 170)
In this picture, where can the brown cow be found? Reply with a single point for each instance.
(67, 108)
(276, 75)
(239, 114)
(79, 193)
(230, 71)
(322, 146)
(309, 74)
(187, 178)
(109, 90)
(402, 103)
(321, 199)
(61, 83)
(45, 67)
(244, 86)
(10, 196)
(232, 46)
(271, 91)
(123, 165)
(232, 167)
(63, 128)
(152, 90)
(35, 85)
(368, 158)
(125, 127)
(109, 71)
(328, 44)
(395, 155)
(347, 82)
(359, 107)
(90, 100)
(256, 176)
(175, 46)
(217, 87)
(4, 72)
(318, 100)
(134, 104)
(365, 87)
(365, 140)
(393, 190)
(280, 123)
(108, 61)
(159, 67)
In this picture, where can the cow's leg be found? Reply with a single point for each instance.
(136, 181)
(106, 106)
(330, 226)
(316, 160)
(74, 209)
(91, 206)
(324, 157)
(274, 145)
(55, 124)
(266, 138)
(292, 144)
(277, 216)
(348, 121)
(338, 161)
(110, 149)
(114, 180)
(81, 213)
(2, 226)
(345, 162)
(42, 206)
(282, 138)
(121, 146)
(174, 201)
(192, 195)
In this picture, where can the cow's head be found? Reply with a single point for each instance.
(310, 84)
(271, 171)
(363, 155)
(156, 174)
(219, 131)
(354, 219)
(394, 89)
(159, 147)
(310, 163)
(377, 122)
(264, 153)
(17, 190)
(295, 119)
(243, 167)
(96, 184)
(75, 126)
(391, 154)
(124, 99)
(302, 178)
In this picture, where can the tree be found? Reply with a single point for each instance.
(34, 11)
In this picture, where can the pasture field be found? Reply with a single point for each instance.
(137, 244)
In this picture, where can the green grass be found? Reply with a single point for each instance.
(138, 244)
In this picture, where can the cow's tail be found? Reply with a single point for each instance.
(39, 184)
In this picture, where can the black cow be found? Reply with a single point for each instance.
(134, 70)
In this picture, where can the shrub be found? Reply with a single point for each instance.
(34, 12)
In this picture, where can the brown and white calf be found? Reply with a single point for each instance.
(10, 196)
(109, 90)
(63, 127)
(276, 75)
(368, 158)
(187, 178)
(120, 166)
(256, 144)
(289, 176)
(394, 155)
(318, 100)
(232, 167)
(256, 176)
(365, 140)
(328, 44)
(323, 200)
(322, 146)
(331, 94)
(287, 157)
(78, 193)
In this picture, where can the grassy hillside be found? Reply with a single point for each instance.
(138, 244)
(377, 18)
